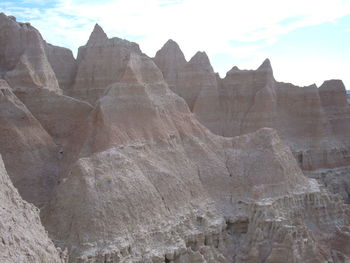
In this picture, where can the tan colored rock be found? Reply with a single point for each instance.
(100, 63)
(171, 62)
(142, 180)
(195, 81)
(247, 100)
(23, 238)
(29, 153)
(23, 58)
(156, 186)
(337, 110)
(59, 115)
(34, 82)
(63, 64)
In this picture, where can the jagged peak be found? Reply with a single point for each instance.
(141, 69)
(233, 70)
(266, 65)
(200, 56)
(171, 47)
(171, 44)
(97, 35)
(3, 15)
(9, 19)
(201, 59)
(333, 85)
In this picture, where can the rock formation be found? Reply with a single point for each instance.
(100, 64)
(63, 64)
(312, 121)
(23, 238)
(209, 199)
(137, 178)
(37, 125)
(22, 57)
(29, 152)
(195, 81)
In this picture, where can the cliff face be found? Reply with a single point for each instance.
(247, 100)
(100, 64)
(30, 154)
(312, 121)
(63, 64)
(23, 238)
(138, 178)
(195, 81)
(22, 59)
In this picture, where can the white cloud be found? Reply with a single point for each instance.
(194, 24)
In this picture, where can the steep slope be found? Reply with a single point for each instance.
(23, 62)
(63, 64)
(29, 153)
(136, 178)
(35, 116)
(30, 66)
(100, 64)
(313, 122)
(23, 238)
(148, 183)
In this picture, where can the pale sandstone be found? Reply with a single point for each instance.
(23, 62)
(100, 64)
(141, 180)
(32, 77)
(312, 121)
(142, 143)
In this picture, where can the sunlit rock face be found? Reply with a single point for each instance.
(247, 100)
(23, 62)
(100, 63)
(156, 186)
(195, 81)
(138, 177)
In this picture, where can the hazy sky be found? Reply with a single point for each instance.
(307, 41)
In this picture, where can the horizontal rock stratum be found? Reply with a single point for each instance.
(134, 159)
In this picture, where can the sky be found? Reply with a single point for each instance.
(307, 41)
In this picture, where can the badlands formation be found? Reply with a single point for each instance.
(134, 159)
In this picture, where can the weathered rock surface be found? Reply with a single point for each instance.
(30, 75)
(23, 238)
(63, 64)
(312, 121)
(203, 191)
(142, 180)
(60, 115)
(195, 81)
(23, 62)
(100, 64)
(29, 153)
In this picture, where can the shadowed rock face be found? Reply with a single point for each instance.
(63, 64)
(142, 180)
(29, 153)
(23, 238)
